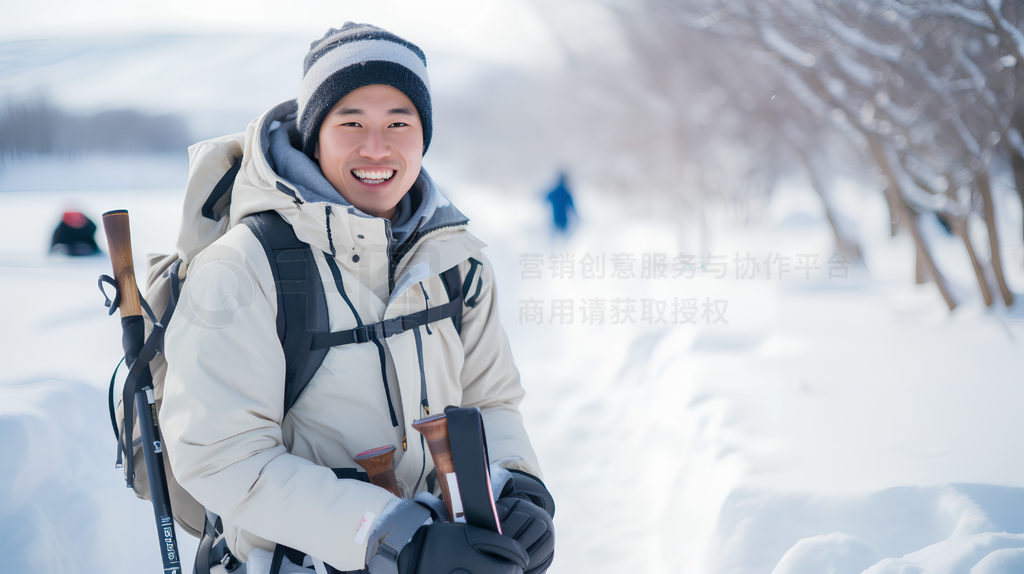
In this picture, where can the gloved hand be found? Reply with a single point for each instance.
(411, 537)
(461, 548)
(531, 527)
(525, 509)
(507, 483)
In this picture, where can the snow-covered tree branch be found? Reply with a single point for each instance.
(927, 89)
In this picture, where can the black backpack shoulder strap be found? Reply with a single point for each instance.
(301, 304)
(452, 284)
(227, 181)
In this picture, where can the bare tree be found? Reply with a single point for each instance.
(681, 124)
(689, 123)
(926, 88)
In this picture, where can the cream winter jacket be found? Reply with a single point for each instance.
(269, 479)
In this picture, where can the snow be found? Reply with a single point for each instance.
(835, 422)
(96, 172)
(831, 425)
(64, 507)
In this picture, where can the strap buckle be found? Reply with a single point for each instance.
(392, 326)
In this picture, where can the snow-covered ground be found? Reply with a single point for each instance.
(820, 425)
(831, 426)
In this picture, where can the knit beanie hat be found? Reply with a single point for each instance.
(359, 55)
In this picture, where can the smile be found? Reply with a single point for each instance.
(373, 177)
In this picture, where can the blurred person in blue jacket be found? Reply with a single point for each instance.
(561, 206)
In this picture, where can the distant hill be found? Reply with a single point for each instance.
(215, 84)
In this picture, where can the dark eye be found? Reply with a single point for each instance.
(351, 124)
(398, 125)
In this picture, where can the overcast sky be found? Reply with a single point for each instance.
(187, 56)
(510, 31)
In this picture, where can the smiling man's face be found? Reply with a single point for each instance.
(370, 148)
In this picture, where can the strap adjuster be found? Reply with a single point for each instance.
(367, 333)
(378, 331)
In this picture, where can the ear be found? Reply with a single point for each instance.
(316, 151)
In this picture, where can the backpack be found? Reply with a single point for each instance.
(302, 327)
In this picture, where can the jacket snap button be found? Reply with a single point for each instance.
(360, 237)
(355, 258)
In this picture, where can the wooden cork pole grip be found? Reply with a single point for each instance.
(435, 430)
(380, 466)
(119, 242)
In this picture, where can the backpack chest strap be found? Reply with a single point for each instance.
(390, 327)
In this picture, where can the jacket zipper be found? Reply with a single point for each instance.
(336, 272)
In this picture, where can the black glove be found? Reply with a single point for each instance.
(446, 548)
(530, 488)
(525, 509)
(532, 528)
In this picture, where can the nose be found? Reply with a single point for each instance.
(374, 146)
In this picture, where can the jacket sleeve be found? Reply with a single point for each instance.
(490, 379)
(222, 411)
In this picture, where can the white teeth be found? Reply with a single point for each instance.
(373, 175)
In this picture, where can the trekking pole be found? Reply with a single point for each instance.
(380, 466)
(119, 243)
(435, 430)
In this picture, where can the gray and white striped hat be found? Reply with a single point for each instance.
(359, 55)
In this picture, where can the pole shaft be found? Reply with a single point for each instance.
(152, 449)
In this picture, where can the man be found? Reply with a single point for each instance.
(341, 165)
